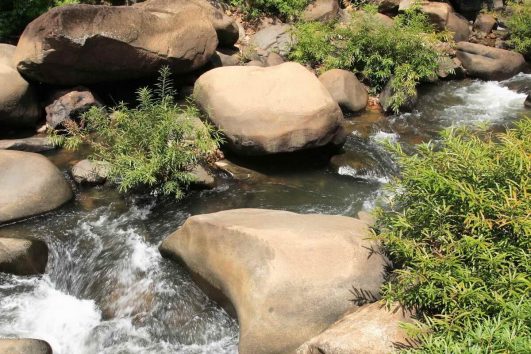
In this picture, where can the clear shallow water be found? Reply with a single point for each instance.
(106, 287)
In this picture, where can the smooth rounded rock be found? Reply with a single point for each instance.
(22, 257)
(29, 185)
(24, 346)
(489, 63)
(90, 172)
(345, 89)
(286, 276)
(484, 23)
(81, 44)
(19, 106)
(282, 108)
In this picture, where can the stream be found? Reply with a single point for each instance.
(107, 289)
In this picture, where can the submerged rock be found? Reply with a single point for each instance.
(286, 276)
(69, 104)
(345, 89)
(24, 346)
(18, 102)
(80, 44)
(489, 63)
(29, 185)
(283, 108)
(22, 257)
(370, 329)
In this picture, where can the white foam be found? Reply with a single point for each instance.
(370, 176)
(47, 313)
(484, 101)
(381, 136)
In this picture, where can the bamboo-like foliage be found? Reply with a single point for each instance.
(155, 144)
(405, 50)
(458, 229)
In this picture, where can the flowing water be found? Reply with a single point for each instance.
(107, 289)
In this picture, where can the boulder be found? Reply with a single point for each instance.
(33, 144)
(69, 104)
(484, 23)
(18, 103)
(489, 63)
(385, 100)
(81, 44)
(527, 102)
(274, 270)
(459, 26)
(22, 257)
(256, 63)
(275, 38)
(90, 172)
(321, 10)
(24, 346)
(371, 329)
(29, 185)
(226, 28)
(282, 108)
(345, 89)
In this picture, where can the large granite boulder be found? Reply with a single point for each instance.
(24, 346)
(277, 109)
(226, 28)
(345, 89)
(370, 329)
(18, 103)
(29, 185)
(489, 63)
(80, 44)
(22, 257)
(286, 276)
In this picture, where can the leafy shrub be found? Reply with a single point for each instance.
(285, 8)
(520, 25)
(155, 144)
(458, 232)
(405, 50)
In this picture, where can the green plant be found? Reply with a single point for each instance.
(285, 8)
(379, 51)
(156, 144)
(457, 230)
(519, 24)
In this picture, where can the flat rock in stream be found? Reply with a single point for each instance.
(29, 185)
(32, 144)
(24, 346)
(286, 276)
(22, 257)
